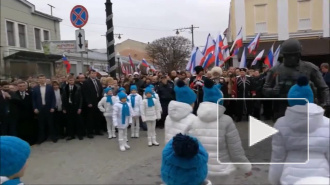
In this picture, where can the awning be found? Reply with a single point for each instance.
(33, 56)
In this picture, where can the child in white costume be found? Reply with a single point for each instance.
(135, 100)
(106, 106)
(150, 112)
(122, 117)
(211, 127)
(290, 144)
(180, 115)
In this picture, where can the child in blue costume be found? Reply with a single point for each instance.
(14, 154)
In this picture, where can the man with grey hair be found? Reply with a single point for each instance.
(326, 73)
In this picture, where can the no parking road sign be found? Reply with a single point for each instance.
(79, 16)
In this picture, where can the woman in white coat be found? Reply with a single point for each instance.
(180, 117)
(290, 144)
(106, 107)
(205, 129)
(135, 100)
(150, 112)
(122, 117)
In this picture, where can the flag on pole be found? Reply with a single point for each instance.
(130, 60)
(219, 60)
(269, 58)
(276, 55)
(66, 64)
(138, 66)
(254, 44)
(242, 64)
(259, 57)
(208, 60)
(209, 48)
(238, 43)
(145, 63)
(196, 57)
(225, 50)
(122, 67)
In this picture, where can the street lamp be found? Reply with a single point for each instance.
(188, 28)
(118, 64)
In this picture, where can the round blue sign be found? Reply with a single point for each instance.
(79, 16)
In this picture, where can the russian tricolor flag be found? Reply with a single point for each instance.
(269, 58)
(196, 57)
(145, 63)
(259, 57)
(209, 48)
(130, 61)
(238, 43)
(208, 60)
(276, 55)
(66, 64)
(242, 64)
(219, 60)
(254, 44)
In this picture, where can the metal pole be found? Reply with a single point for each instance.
(118, 68)
(192, 34)
(51, 9)
(110, 38)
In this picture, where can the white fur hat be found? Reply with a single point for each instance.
(313, 180)
(216, 70)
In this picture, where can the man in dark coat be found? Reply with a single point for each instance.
(27, 128)
(43, 101)
(92, 93)
(245, 89)
(4, 109)
(166, 94)
(72, 106)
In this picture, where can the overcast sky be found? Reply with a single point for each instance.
(143, 20)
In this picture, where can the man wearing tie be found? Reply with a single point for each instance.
(72, 104)
(43, 100)
(26, 127)
(93, 93)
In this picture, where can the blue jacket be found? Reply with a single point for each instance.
(49, 98)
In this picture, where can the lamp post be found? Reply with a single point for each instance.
(188, 28)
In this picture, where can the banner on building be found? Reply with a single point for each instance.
(61, 47)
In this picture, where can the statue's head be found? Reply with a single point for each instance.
(291, 51)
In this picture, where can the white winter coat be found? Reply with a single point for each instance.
(179, 119)
(157, 98)
(230, 146)
(150, 113)
(138, 101)
(105, 107)
(116, 116)
(289, 145)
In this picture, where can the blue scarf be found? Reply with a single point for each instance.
(109, 99)
(124, 112)
(133, 100)
(12, 182)
(150, 102)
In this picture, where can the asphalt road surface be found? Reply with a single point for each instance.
(99, 161)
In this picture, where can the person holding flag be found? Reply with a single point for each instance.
(197, 83)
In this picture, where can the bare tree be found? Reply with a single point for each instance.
(170, 53)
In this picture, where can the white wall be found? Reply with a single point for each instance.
(283, 19)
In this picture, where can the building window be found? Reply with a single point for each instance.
(22, 35)
(46, 35)
(304, 15)
(260, 18)
(10, 33)
(37, 38)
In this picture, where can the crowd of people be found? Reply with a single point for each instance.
(69, 106)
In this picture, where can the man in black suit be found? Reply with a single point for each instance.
(4, 109)
(43, 100)
(72, 105)
(93, 93)
(26, 128)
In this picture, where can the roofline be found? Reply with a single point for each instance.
(41, 14)
(132, 40)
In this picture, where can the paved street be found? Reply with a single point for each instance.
(99, 161)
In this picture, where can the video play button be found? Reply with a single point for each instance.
(259, 131)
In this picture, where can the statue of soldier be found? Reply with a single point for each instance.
(284, 75)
